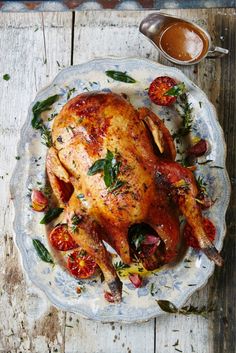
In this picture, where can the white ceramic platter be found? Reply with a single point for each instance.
(174, 284)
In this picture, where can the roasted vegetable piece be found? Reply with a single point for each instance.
(39, 200)
(81, 265)
(199, 149)
(158, 88)
(61, 239)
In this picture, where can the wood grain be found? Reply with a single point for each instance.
(34, 47)
(30, 45)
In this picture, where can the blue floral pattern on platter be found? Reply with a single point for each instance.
(175, 284)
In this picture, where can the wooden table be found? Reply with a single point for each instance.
(33, 49)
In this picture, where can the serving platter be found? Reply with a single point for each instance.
(175, 284)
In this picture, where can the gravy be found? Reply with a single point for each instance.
(182, 41)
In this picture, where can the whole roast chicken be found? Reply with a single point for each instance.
(122, 161)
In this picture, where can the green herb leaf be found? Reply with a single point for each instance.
(108, 173)
(75, 220)
(37, 122)
(120, 76)
(177, 90)
(70, 92)
(120, 266)
(118, 183)
(46, 136)
(6, 77)
(167, 306)
(137, 240)
(51, 214)
(42, 252)
(184, 108)
(110, 167)
(201, 185)
(97, 166)
(39, 108)
(17, 158)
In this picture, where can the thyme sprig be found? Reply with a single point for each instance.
(120, 266)
(184, 108)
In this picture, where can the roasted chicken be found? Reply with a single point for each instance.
(112, 166)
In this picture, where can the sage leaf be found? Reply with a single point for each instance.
(108, 173)
(97, 166)
(118, 183)
(40, 107)
(42, 252)
(120, 76)
(167, 306)
(51, 214)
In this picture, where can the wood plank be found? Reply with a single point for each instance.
(92, 337)
(30, 45)
(223, 291)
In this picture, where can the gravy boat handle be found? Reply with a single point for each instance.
(217, 52)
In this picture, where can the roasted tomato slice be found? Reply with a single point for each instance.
(81, 265)
(189, 234)
(61, 239)
(158, 88)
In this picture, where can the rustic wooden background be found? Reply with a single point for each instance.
(33, 48)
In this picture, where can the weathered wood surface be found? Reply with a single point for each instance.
(28, 322)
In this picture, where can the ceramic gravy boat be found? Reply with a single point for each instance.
(154, 25)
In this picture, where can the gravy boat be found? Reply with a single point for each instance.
(154, 24)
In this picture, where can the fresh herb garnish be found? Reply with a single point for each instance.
(46, 136)
(42, 252)
(116, 185)
(120, 76)
(169, 307)
(185, 111)
(137, 234)
(6, 77)
(120, 266)
(201, 185)
(70, 92)
(152, 289)
(51, 214)
(110, 167)
(137, 240)
(37, 122)
(75, 220)
(97, 166)
(39, 108)
(176, 90)
(17, 158)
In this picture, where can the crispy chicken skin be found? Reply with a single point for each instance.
(87, 127)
